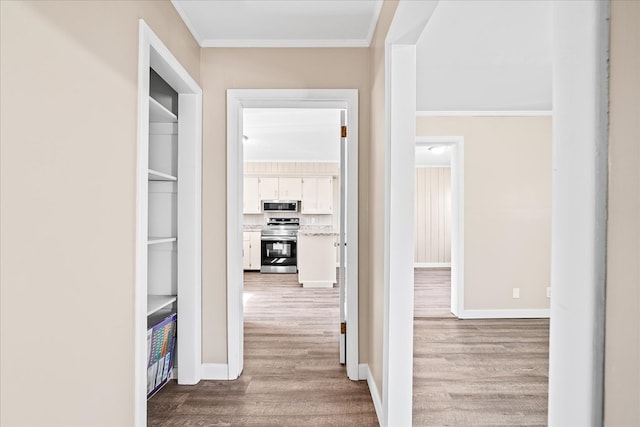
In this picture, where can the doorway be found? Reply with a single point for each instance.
(432, 228)
(237, 102)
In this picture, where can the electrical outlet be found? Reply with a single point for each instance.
(548, 291)
(516, 292)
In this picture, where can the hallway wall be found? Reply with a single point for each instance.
(69, 84)
(248, 68)
(622, 336)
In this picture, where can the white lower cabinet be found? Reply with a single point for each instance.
(316, 260)
(251, 250)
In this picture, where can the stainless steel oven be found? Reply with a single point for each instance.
(279, 246)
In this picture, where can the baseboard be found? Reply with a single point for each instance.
(432, 265)
(375, 395)
(363, 368)
(543, 313)
(215, 371)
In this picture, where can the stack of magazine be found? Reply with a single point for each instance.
(161, 339)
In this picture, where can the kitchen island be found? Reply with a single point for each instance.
(317, 257)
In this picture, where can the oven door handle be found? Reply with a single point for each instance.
(278, 239)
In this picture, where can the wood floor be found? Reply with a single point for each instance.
(432, 292)
(466, 373)
(292, 375)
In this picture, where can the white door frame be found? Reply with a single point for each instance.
(580, 97)
(237, 100)
(152, 53)
(456, 143)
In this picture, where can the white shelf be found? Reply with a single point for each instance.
(159, 176)
(158, 302)
(158, 240)
(159, 114)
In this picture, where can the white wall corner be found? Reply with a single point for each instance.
(215, 371)
(375, 394)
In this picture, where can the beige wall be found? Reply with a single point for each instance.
(507, 207)
(432, 217)
(224, 69)
(622, 339)
(69, 81)
(376, 193)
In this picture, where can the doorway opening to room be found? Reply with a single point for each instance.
(291, 228)
(292, 290)
(432, 231)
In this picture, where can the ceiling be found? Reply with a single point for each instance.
(291, 135)
(280, 23)
(474, 55)
(486, 56)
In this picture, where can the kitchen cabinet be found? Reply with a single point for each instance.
(268, 188)
(251, 195)
(316, 260)
(317, 195)
(280, 188)
(290, 188)
(251, 250)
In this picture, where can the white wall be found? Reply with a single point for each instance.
(432, 216)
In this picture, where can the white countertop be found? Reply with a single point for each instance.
(317, 230)
(305, 230)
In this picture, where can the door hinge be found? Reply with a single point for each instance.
(343, 132)
(343, 328)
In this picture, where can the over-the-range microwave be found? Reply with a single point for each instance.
(280, 206)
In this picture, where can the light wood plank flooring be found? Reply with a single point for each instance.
(292, 375)
(466, 373)
(432, 292)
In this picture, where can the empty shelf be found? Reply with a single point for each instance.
(159, 176)
(158, 302)
(159, 113)
(158, 240)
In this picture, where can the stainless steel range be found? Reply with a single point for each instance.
(279, 246)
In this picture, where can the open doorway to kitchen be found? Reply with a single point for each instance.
(291, 222)
(297, 281)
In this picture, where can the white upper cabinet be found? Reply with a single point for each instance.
(290, 188)
(251, 195)
(325, 195)
(268, 188)
(317, 195)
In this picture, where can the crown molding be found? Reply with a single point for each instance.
(514, 113)
(282, 43)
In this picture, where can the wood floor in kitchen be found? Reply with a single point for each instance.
(466, 373)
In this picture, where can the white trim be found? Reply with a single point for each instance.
(540, 313)
(578, 214)
(317, 284)
(457, 214)
(374, 21)
(431, 264)
(514, 113)
(363, 368)
(237, 99)
(406, 28)
(375, 395)
(152, 53)
(283, 43)
(215, 371)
